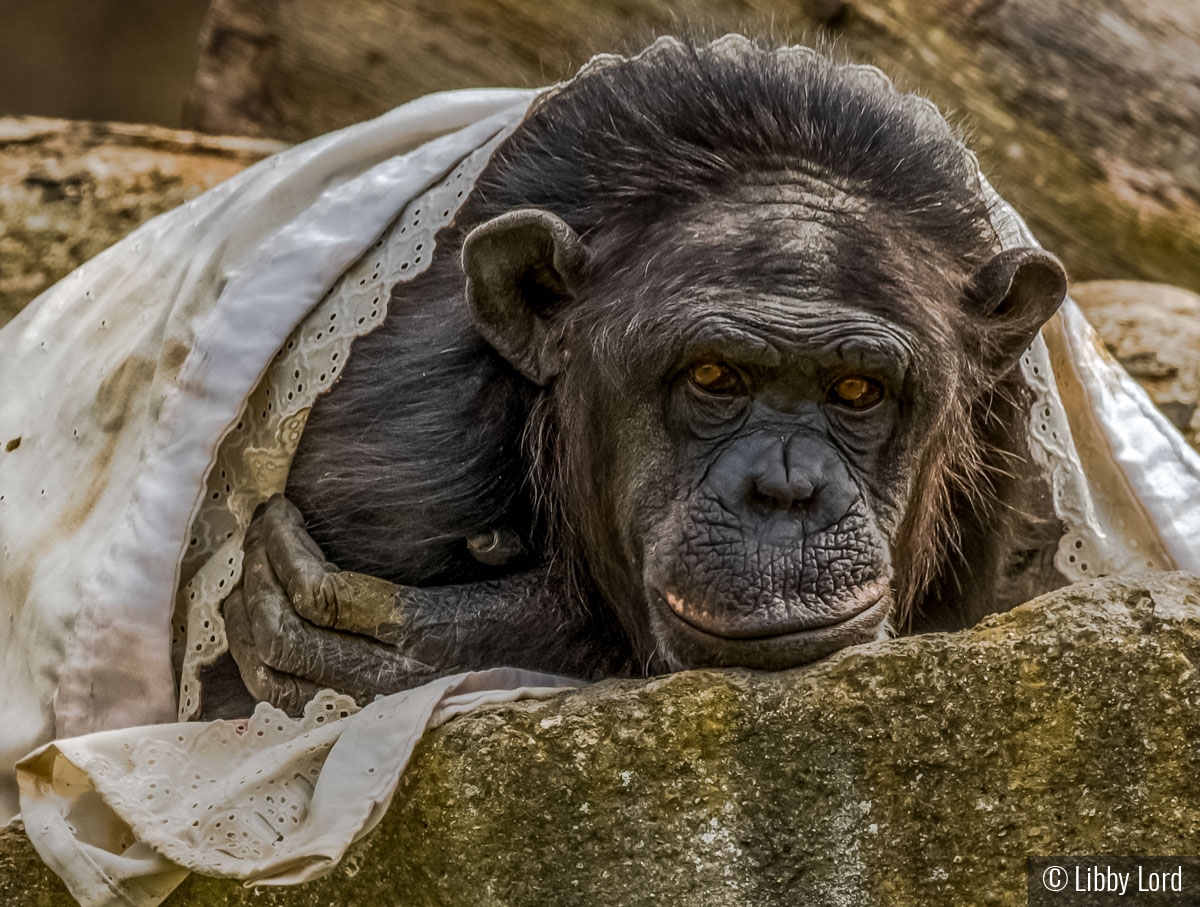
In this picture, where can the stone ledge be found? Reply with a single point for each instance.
(919, 771)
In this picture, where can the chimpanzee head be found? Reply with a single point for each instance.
(764, 300)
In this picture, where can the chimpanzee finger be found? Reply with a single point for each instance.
(319, 592)
(283, 691)
(296, 560)
(286, 642)
(284, 512)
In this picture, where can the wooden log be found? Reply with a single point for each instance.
(69, 189)
(1084, 114)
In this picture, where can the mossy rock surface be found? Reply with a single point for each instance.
(920, 771)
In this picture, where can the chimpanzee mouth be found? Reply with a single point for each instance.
(693, 642)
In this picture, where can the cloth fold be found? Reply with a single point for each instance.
(121, 381)
(268, 798)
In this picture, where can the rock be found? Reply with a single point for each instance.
(24, 878)
(68, 190)
(1154, 331)
(919, 771)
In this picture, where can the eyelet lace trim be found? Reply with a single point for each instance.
(252, 462)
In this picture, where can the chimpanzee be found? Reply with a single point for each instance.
(715, 366)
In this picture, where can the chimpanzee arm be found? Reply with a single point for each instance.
(300, 624)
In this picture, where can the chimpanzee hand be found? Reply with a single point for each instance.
(299, 624)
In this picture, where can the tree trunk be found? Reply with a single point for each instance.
(1084, 114)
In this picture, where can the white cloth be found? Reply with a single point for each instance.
(154, 412)
(278, 801)
(121, 380)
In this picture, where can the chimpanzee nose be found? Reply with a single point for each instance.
(779, 491)
(779, 484)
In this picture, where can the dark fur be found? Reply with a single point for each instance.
(430, 436)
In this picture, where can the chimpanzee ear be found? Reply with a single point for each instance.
(1018, 290)
(520, 267)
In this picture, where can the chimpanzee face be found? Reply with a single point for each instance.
(761, 453)
(744, 404)
(774, 547)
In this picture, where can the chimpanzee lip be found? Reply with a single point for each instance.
(873, 611)
(682, 645)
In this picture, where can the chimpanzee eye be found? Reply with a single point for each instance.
(856, 392)
(716, 378)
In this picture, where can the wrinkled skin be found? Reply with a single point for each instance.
(748, 420)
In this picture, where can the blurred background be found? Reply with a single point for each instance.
(1083, 113)
(127, 60)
